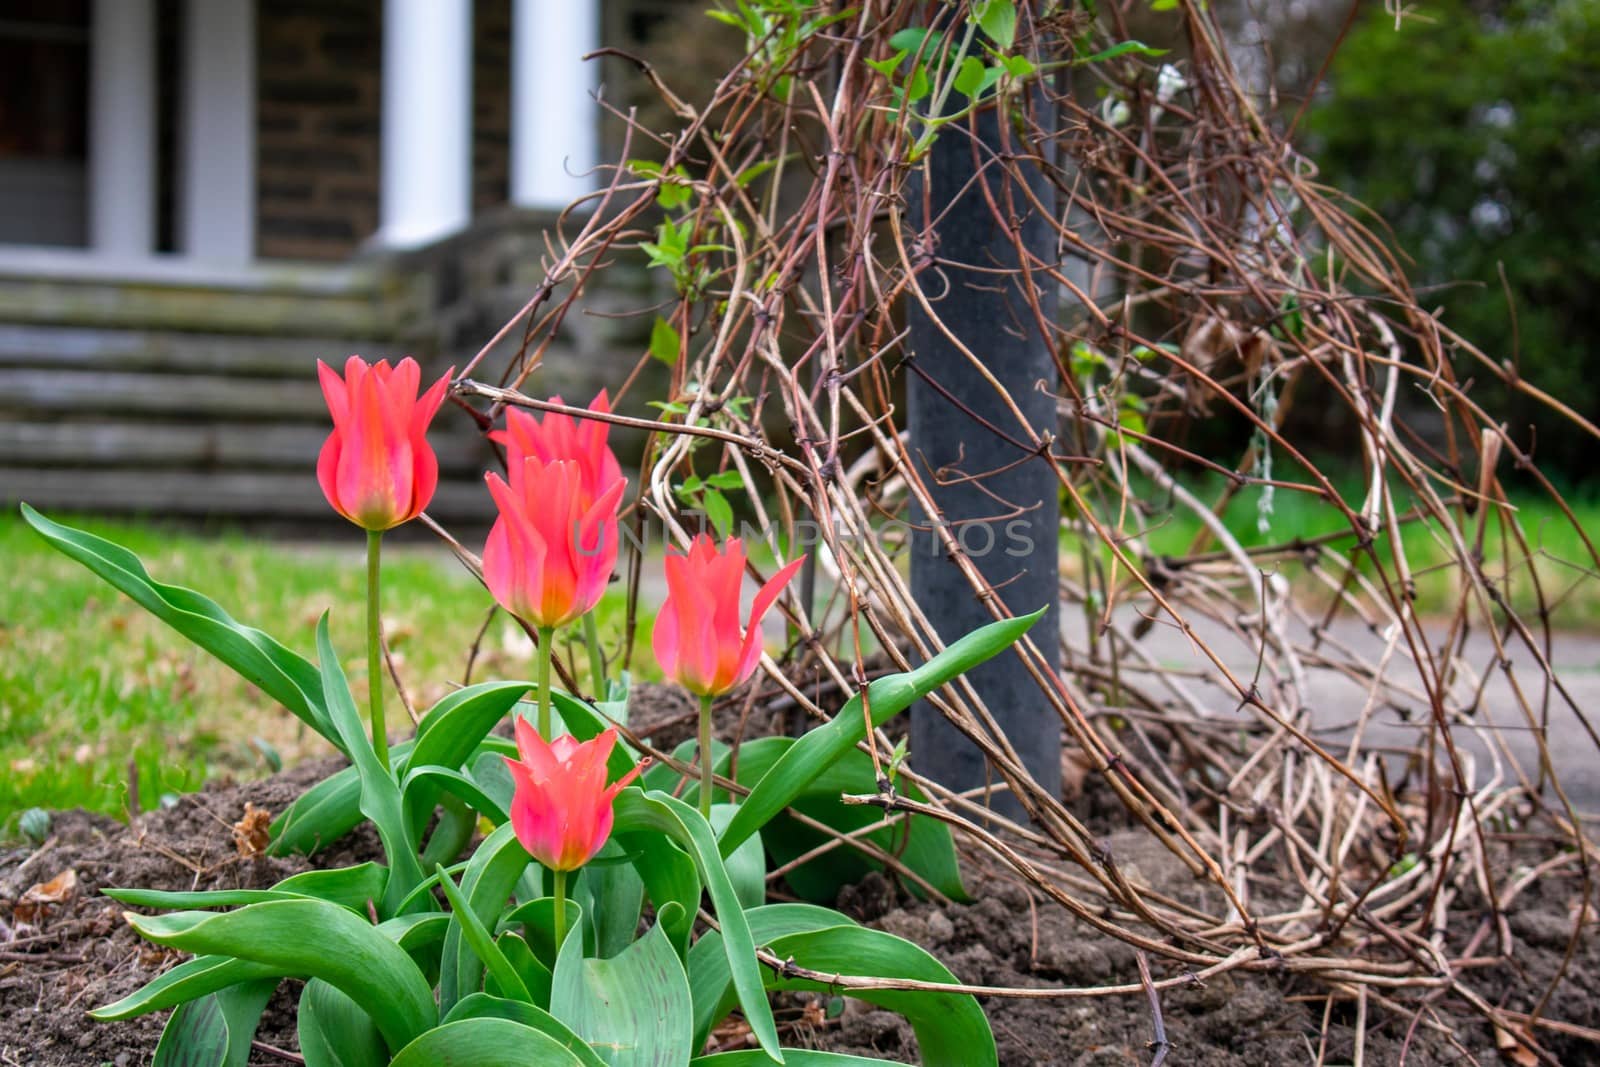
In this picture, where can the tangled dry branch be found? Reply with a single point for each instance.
(1204, 278)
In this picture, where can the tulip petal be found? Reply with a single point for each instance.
(375, 468)
(750, 653)
(561, 809)
(328, 471)
(334, 392)
(535, 816)
(689, 601)
(424, 478)
(514, 555)
(401, 385)
(540, 758)
(664, 639)
(598, 540)
(425, 471)
(428, 403)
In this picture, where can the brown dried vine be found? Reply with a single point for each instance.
(1203, 270)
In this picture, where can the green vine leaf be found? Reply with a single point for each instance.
(998, 20)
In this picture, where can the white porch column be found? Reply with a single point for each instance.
(555, 124)
(122, 128)
(217, 206)
(427, 120)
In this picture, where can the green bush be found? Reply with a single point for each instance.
(1474, 132)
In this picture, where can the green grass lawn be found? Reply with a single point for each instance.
(1561, 561)
(90, 684)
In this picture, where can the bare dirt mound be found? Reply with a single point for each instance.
(64, 949)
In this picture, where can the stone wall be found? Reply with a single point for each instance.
(491, 104)
(320, 83)
(320, 78)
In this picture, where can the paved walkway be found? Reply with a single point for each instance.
(1335, 700)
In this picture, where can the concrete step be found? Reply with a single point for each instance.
(81, 348)
(275, 495)
(208, 447)
(308, 303)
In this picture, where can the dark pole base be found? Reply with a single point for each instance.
(1006, 521)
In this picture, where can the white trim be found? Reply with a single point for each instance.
(122, 127)
(217, 206)
(426, 144)
(554, 120)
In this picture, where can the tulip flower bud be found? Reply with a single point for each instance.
(697, 638)
(561, 808)
(377, 468)
(562, 437)
(549, 556)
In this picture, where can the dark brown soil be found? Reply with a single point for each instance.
(77, 954)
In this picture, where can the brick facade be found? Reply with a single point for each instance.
(491, 104)
(317, 122)
(319, 84)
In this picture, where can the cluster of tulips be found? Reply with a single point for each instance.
(548, 559)
(457, 947)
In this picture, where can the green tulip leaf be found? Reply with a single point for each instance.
(457, 822)
(478, 938)
(537, 918)
(215, 1030)
(321, 815)
(461, 785)
(484, 1006)
(711, 983)
(493, 778)
(283, 675)
(189, 980)
(533, 971)
(951, 1028)
(669, 876)
(660, 775)
(487, 1042)
(813, 753)
(747, 865)
(923, 845)
(794, 1057)
(634, 1008)
(380, 793)
(448, 735)
(659, 812)
(615, 704)
(348, 887)
(207, 974)
(487, 882)
(613, 895)
(335, 1032)
(311, 939)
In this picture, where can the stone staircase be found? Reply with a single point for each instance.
(194, 396)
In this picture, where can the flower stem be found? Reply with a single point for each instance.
(561, 908)
(705, 757)
(547, 649)
(597, 664)
(380, 736)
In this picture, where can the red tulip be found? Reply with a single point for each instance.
(562, 437)
(377, 468)
(550, 555)
(697, 636)
(561, 809)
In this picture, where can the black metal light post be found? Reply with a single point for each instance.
(1000, 505)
